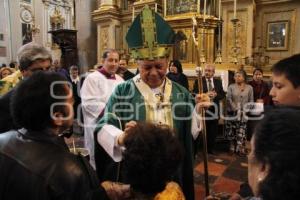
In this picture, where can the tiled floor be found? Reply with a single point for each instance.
(226, 172)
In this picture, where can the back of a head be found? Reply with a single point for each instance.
(290, 67)
(33, 97)
(151, 158)
(12, 65)
(31, 52)
(276, 143)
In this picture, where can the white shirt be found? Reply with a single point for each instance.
(76, 80)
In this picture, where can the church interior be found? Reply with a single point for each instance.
(255, 39)
(229, 34)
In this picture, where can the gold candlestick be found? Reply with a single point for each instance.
(234, 48)
(218, 59)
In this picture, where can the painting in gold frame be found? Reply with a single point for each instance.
(277, 36)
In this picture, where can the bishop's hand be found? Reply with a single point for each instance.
(128, 126)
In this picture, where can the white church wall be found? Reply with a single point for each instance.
(87, 33)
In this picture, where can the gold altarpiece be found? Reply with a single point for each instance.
(114, 17)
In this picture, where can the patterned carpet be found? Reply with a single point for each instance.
(226, 173)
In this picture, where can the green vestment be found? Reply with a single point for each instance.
(126, 104)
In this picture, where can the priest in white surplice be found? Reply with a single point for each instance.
(95, 92)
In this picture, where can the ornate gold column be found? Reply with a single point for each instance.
(206, 36)
(154, 4)
(210, 45)
(108, 4)
(108, 21)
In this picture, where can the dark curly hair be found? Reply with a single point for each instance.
(32, 100)
(258, 69)
(276, 143)
(290, 68)
(177, 64)
(152, 156)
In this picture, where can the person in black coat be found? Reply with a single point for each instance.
(76, 82)
(123, 71)
(35, 161)
(213, 87)
(176, 74)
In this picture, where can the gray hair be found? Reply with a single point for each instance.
(242, 72)
(210, 65)
(31, 52)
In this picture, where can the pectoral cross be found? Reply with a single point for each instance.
(160, 97)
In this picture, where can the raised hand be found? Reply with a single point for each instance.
(128, 126)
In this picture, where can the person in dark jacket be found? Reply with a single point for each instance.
(176, 74)
(261, 96)
(123, 71)
(273, 163)
(35, 162)
(213, 87)
(260, 88)
(76, 80)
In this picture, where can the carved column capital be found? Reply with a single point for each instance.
(108, 4)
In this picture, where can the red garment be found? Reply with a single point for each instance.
(261, 91)
(106, 74)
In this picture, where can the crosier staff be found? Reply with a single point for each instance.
(202, 109)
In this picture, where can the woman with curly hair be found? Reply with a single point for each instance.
(239, 95)
(274, 160)
(151, 159)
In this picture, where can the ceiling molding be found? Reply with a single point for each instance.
(261, 2)
(266, 2)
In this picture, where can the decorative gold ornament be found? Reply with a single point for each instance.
(57, 20)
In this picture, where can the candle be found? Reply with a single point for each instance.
(234, 10)
(198, 6)
(220, 6)
(132, 13)
(204, 14)
(74, 148)
(165, 7)
(155, 7)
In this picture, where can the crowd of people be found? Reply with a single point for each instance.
(141, 131)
